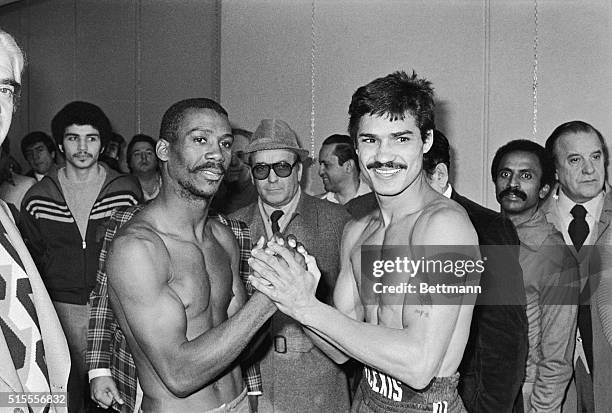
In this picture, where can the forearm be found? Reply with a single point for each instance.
(323, 342)
(393, 351)
(198, 362)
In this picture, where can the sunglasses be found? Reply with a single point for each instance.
(282, 169)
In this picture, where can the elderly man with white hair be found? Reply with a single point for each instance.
(34, 358)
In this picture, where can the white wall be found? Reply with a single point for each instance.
(478, 54)
(136, 57)
(133, 58)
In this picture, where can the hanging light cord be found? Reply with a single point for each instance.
(138, 66)
(535, 68)
(313, 52)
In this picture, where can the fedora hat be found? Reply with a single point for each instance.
(275, 134)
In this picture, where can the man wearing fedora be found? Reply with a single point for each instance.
(297, 376)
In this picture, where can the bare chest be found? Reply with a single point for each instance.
(382, 289)
(201, 276)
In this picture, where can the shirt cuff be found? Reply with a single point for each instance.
(99, 373)
(254, 393)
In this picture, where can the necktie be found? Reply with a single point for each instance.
(578, 231)
(19, 320)
(276, 215)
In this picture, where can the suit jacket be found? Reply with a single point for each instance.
(107, 347)
(56, 348)
(303, 379)
(591, 266)
(493, 365)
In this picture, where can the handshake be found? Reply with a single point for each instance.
(285, 272)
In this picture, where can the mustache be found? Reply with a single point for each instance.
(390, 164)
(82, 154)
(210, 165)
(513, 191)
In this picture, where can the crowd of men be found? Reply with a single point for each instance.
(208, 280)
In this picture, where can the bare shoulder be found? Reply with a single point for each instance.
(443, 221)
(355, 228)
(137, 246)
(223, 235)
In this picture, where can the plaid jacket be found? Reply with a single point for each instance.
(106, 344)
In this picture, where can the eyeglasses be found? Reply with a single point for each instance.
(282, 169)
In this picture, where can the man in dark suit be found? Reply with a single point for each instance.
(297, 376)
(493, 364)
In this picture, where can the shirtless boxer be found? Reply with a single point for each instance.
(411, 351)
(173, 275)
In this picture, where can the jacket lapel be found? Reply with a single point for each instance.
(305, 223)
(551, 212)
(604, 217)
(257, 225)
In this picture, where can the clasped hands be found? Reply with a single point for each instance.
(285, 272)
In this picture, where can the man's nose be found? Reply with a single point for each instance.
(513, 182)
(321, 170)
(587, 167)
(82, 144)
(383, 152)
(214, 153)
(272, 177)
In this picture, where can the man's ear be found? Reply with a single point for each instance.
(161, 149)
(61, 148)
(299, 171)
(440, 175)
(544, 191)
(349, 165)
(428, 141)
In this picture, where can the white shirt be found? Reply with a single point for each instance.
(593, 208)
(361, 190)
(288, 211)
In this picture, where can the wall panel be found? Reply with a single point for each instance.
(133, 58)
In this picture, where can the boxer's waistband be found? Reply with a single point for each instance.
(385, 388)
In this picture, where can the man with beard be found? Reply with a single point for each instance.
(339, 170)
(144, 165)
(523, 173)
(173, 278)
(63, 219)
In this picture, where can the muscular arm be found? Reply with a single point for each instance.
(412, 354)
(138, 272)
(346, 295)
